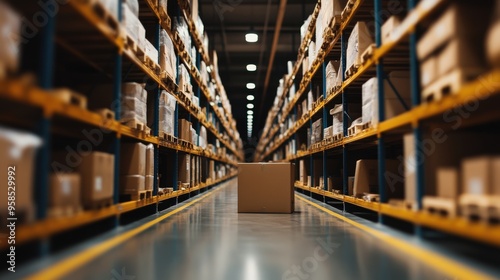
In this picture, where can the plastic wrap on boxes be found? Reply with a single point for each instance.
(167, 112)
(358, 42)
(133, 25)
(289, 65)
(168, 60)
(133, 109)
(18, 150)
(331, 74)
(184, 78)
(10, 38)
(310, 100)
(339, 80)
(200, 27)
(151, 51)
(134, 90)
(196, 101)
(393, 105)
(317, 131)
(111, 6)
(337, 114)
(305, 65)
(303, 28)
(133, 5)
(312, 51)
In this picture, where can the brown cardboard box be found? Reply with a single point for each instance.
(185, 168)
(460, 54)
(132, 183)
(65, 190)
(481, 175)
(463, 21)
(428, 71)
(350, 185)
(18, 151)
(133, 159)
(409, 166)
(149, 182)
(96, 172)
(303, 172)
(185, 130)
(447, 182)
(366, 178)
(265, 188)
(150, 160)
(389, 25)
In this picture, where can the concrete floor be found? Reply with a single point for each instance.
(210, 240)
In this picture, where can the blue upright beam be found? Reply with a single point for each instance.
(381, 109)
(156, 121)
(325, 125)
(417, 132)
(343, 57)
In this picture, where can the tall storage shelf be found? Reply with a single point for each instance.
(83, 46)
(404, 189)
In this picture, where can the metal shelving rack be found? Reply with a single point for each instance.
(270, 142)
(125, 65)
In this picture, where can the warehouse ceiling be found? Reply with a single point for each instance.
(227, 22)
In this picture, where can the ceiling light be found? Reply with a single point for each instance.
(250, 117)
(250, 97)
(249, 112)
(250, 86)
(251, 37)
(251, 67)
(250, 106)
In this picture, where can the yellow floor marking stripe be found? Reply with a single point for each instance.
(435, 260)
(66, 266)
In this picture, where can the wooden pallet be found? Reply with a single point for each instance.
(484, 208)
(67, 211)
(368, 53)
(134, 196)
(400, 203)
(168, 137)
(371, 197)
(444, 207)
(449, 84)
(352, 70)
(100, 204)
(137, 125)
(106, 114)
(347, 10)
(70, 97)
(330, 32)
(357, 128)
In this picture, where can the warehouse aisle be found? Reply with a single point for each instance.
(209, 240)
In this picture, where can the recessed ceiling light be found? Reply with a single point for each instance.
(251, 67)
(249, 112)
(251, 37)
(250, 117)
(250, 97)
(250, 106)
(250, 86)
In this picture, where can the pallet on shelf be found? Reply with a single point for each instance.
(68, 211)
(449, 84)
(103, 13)
(105, 113)
(368, 54)
(444, 207)
(484, 208)
(135, 196)
(138, 126)
(70, 97)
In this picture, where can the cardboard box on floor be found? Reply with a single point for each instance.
(265, 188)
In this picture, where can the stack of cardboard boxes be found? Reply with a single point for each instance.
(132, 24)
(132, 168)
(133, 104)
(451, 52)
(18, 151)
(359, 40)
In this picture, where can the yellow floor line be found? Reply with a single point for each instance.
(435, 260)
(70, 264)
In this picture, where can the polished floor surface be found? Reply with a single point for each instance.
(210, 240)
